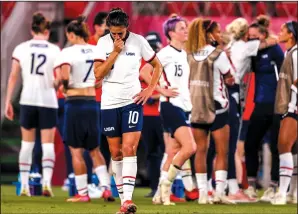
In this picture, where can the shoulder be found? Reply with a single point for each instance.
(104, 40)
(54, 47)
(67, 50)
(22, 45)
(164, 52)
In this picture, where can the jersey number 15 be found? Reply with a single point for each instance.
(178, 70)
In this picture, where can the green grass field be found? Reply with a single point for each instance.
(10, 203)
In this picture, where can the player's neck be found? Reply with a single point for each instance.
(289, 44)
(39, 37)
(177, 45)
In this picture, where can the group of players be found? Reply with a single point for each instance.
(199, 76)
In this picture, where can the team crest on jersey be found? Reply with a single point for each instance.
(130, 54)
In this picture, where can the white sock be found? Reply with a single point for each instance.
(202, 182)
(172, 173)
(220, 180)
(117, 173)
(187, 176)
(48, 162)
(285, 172)
(293, 184)
(129, 173)
(25, 160)
(210, 187)
(164, 159)
(81, 184)
(163, 175)
(233, 186)
(103, 176)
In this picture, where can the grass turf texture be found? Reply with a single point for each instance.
(10, 203)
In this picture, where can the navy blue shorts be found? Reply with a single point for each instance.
(173, 117)
(38, 117)
(81, 122)
(115, 122)
(290, 114)
(243, 129)
(220, 121)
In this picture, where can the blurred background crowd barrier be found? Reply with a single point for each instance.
(144, 17)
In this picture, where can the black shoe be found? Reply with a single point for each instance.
(150, 194)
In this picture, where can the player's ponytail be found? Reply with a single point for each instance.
(79, 27)
(39, 23)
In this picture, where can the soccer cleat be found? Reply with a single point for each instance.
(241, 197)
(174, 198)
(165, 190)
(128, 207)
(192, 195)
(65, 186)
(279, 199)
(79, 198)
(268, 195)
(222, 199)
(251, 192)
(203, 199)
(107, 195)
(157, 198)
(94, 192)
(47, 191)
(25, 192)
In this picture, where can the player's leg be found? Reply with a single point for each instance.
(37, 154)
(28, 115)
(200, 133)
(210, 163)
(286, 139)
(48, 119)
(292, 194)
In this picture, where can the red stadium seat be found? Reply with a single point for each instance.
(6, 9)
(183, 8)
(286, 9)
(221, 9)
(74, 9)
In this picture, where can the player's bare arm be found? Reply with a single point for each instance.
(13, 77)
(101, 69)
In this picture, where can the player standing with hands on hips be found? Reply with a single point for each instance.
(120, 55)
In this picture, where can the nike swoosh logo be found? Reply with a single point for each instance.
(132, 126)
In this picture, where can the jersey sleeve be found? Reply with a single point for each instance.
(146, 51)
(223, 64)
(65, 58)
(252, 47)
(163, 57)
(17, 53)
(100, 54)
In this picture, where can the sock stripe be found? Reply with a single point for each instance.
(187, 169)
(85, 188)
(177, 167)
(129, 177)
(294, 174)
(284, 167)
(24, 170)
(129, 184)
(48, 167)
(186, 176)
(219, 181)
(51, 160)
(285, 176)
(25, 164)
(119, 185)
(120, 192)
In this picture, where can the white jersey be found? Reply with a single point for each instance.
(36, 58)
(122, 82)
(241, 53)
(175, 75)
(221, 66)
(81, 59)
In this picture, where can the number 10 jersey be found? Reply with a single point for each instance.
(36, 59)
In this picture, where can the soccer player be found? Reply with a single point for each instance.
(286, 106)
(81, 125)
(38, 104)
(175, 111)
(209, 69)
(120, 53)
(100, 27)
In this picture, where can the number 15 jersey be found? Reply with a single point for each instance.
(175, 75)
(36, 59)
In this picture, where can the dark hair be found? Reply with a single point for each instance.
(263, 20)
(262, 29)
(79, 28)
(209, 25)
(292, 27)
(39, 23)
(99, 18)
(117, 17)
(170, 25)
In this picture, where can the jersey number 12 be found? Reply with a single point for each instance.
(42, 61)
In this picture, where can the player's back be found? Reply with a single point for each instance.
(36, 58)
(81, 59)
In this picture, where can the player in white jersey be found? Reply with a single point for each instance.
(209, 71)
(120, 53)
(38, 103)
(81, 114)
(175, 111)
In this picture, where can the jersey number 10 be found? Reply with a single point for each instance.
(42, 61)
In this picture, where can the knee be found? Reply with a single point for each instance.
(128, 150)
(116, 153)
